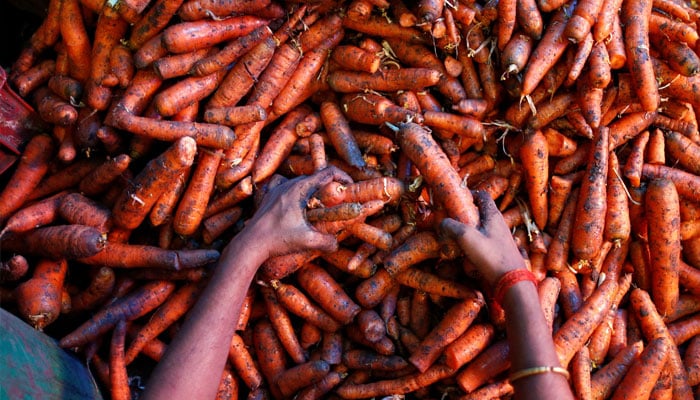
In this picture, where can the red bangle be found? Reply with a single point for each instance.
(509, 279)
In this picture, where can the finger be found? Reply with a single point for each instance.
(326, 175)
(491, 217)
(465, 235)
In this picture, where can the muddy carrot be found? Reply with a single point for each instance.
(133, 305)
(39, 298)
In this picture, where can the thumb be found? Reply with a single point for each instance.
(321, 241)
(462, 233)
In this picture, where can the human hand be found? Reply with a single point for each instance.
(280, 222)
(490, 247)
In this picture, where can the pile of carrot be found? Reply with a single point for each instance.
(169, 117)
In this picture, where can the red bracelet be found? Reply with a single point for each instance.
(509, 279)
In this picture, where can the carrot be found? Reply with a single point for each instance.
(454, 323)
(121, 62)
(366, 359)
(466, 347)
(617, 219)
(691, 361)
(683, 330)
(297, 303)
(14, 268)
(465, 126)
(98, 290)
(99, 179)
(406, 384)
(168, 313)
(124, 255)
(283, 326)
(191, 208)
(581, 374)
(672, 29)
(327, 293)
(317, 151)
(214, 226)
(652, 327)
(662, 212)
(488, 364)
(78, 209)
(583, 19)
(422, 149)
(57, 242)
(580, 59)
(242, 362)
(54, 109)
(587, 235)
(433, 284)
(354, 58)
(578, 328)
(119, 381)
(682, 150)
(306, 75)
(293, 379)
(131, 208)
(340, 134)
(75, 39)
(133, 305)
(635, 18)
(152, 22)
(199, 9)
(644, 372)
(191, 35)
(34, 77)
(269, 353)
(65, 87)
(534, 157)
(109, 30)
(319, 389)
(606, 379)
(679, 56)
(40, 213)
(39, 298)
(635, 160)
(374, 109)
(547, 52)
(389, 80)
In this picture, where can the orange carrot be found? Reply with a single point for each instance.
(662, 212)
(214, 226)
(242, 362)
(78, 209)
(75, 39)
(587, 235)
(322, 288)
(635, 18)
(547, 52)
(297, 303)
(340, 134)
(14, 268)
(577, 329)
(605, 380)
(643, 373)
(283, 325)
(131, 208)
(488, 364)
(39, 298)
(617, 219)
(652, 327)
(199, 9)
(135, 304)
(57, 242)
(295, 378)
(98, 180)
(100, 287)
(403, 385)
(188, 36)
(535, 160)
(191, 207)
(269, 353)
(423, 150)
(40, 213)
(119, 381)
(125, 255)
(168, 313)
(454, 323)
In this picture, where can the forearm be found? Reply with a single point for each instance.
(531, 345)
(192, 366)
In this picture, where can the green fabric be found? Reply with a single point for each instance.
(32, 366)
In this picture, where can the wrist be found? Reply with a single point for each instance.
(509, 280)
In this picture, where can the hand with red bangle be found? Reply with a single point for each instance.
(535, 370)
(490, 246)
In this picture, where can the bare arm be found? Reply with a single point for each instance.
(192, 366)
(491, 248)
